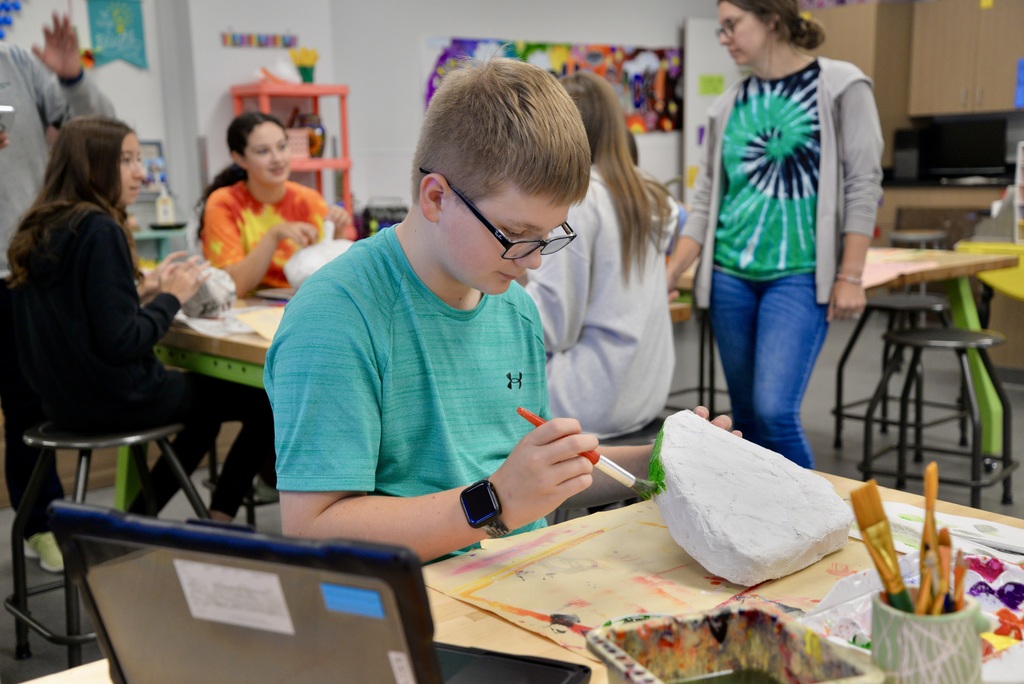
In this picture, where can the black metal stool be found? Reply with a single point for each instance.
(903, 311)
(959, 341)
(48, 438)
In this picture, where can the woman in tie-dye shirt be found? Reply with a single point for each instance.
(784, 209)
(253, 217)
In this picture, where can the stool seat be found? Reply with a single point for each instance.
(918, 237)
(944, 338)
(905, 301)
(960, 342)
(48, 435)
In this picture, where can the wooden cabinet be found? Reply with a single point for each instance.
(875, 37)
(964, 56)
(266, 91)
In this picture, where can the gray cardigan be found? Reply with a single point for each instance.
(849, 180)
(39, 100)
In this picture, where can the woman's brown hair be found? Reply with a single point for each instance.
(83, 176)
(793, 28)
(641, 204)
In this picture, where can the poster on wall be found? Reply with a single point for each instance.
(647, 80)
(115, 27)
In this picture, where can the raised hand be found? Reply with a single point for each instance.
(59, 53)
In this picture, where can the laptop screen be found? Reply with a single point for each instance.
(174, 602)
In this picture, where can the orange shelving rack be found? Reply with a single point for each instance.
(265, 91)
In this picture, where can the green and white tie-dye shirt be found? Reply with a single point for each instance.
(770, 152)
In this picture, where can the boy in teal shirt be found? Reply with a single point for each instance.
(397, 370)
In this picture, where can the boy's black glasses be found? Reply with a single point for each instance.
(517, 249)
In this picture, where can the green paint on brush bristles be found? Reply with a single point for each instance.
(655, 469)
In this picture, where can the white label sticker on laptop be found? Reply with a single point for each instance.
(401, 667)
(234, 596)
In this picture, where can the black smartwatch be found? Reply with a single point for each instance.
(483, 509)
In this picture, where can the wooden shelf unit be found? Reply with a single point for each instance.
(264, 92)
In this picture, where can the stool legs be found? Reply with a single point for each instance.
(183, 479)
(17, 603)
(880, 396)
(19, 599)
(840, 369)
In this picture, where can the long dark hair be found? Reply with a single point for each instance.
(238, 137)
(83, 176)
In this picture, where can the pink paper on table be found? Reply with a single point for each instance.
(881, 272)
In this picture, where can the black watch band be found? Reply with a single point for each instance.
(496, 529)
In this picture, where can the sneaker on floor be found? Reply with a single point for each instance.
(263, 493)
(44, 547)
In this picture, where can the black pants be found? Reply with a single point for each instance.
(22, 410)
(206, 403)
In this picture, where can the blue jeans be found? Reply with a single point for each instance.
(769, 335)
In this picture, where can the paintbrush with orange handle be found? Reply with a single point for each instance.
(959, 572)
(929, 535)
(645, 489)
(939, 605)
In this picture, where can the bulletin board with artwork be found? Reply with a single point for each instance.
(648, 80)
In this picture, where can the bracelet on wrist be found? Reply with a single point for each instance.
(853, 280)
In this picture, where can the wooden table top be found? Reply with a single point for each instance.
(466, 625)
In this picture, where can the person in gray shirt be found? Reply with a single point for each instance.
(45, 88)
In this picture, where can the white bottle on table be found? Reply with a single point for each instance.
(164, 207)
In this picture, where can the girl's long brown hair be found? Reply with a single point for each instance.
(641, 203)
(82, 177)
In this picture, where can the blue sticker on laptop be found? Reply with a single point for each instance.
(353, 600)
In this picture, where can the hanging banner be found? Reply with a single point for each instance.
(115, 27)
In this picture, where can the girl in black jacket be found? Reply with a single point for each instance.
(86, 319)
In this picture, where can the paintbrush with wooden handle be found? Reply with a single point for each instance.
(645, 489)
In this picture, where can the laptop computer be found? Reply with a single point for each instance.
(196, 602)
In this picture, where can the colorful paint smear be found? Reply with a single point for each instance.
(648, 81)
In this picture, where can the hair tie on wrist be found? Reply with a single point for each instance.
(853, 280)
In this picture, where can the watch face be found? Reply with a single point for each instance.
(480, 503)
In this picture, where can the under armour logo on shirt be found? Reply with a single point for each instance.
(518, 380)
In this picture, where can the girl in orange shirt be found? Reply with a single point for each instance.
(253, 217)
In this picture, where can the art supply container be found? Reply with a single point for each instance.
(927, 649)
(729, 645)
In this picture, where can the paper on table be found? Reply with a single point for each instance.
(263, 319)
(215, 327)
(973, 535)
(562, 581)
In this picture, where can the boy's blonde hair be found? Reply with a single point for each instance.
(504, 123)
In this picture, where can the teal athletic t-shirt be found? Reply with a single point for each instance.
(770, 152)
(379, 386)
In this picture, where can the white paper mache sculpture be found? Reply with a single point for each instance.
(309, 260)
(215, 296)
(743, 512)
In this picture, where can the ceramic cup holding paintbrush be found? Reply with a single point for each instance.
(924, 649)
